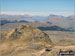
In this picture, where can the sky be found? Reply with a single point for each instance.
(38, 7)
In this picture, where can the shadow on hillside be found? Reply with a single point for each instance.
(54, 28)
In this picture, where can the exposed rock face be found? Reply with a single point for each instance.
(23, 38)
(28, 33)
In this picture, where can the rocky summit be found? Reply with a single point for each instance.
(23, 40)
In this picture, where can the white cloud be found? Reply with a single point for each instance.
(32, 13)
(13, 13)
(28, 13)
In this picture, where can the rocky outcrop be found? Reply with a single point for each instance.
(24, 38)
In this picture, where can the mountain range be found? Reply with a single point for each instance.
(56, 20)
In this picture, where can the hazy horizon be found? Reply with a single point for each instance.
(38, 7)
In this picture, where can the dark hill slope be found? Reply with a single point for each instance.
(54, 28)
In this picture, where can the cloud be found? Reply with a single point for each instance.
(13, 13)
(29, 13)
(34, 13)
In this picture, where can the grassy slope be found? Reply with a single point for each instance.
(62, 38)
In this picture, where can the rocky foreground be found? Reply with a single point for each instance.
(27, 40)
